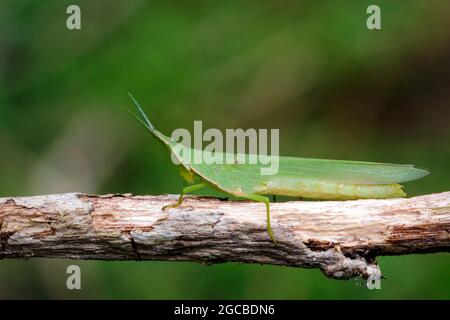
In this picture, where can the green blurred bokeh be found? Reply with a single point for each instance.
(311, 68)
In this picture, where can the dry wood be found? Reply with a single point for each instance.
(342, 238)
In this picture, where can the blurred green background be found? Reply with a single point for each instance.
(311, 68)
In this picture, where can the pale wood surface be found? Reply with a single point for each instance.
(342, 238)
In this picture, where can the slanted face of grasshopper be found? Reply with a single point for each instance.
(296, 177)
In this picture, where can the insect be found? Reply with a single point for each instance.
(296, 177)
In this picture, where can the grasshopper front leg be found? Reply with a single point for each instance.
(185, 190)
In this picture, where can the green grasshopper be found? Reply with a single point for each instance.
(296, 177)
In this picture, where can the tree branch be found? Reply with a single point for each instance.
(342, 238)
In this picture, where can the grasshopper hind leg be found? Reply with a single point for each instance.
(259, 198)
(185, 190)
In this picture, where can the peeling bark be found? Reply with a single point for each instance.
(342, 238)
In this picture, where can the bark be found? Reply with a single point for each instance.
(342, 238)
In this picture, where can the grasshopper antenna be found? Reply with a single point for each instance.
(137, 118)
(147, 123)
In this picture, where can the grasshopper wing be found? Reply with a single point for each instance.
(312, 178)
